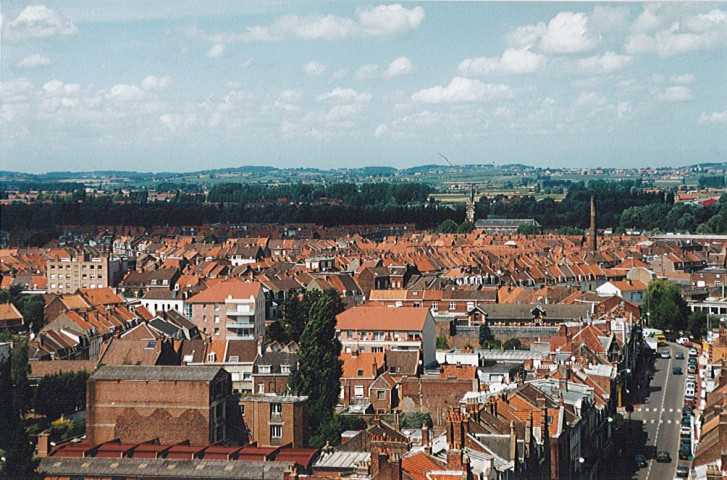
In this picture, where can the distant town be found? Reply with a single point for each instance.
(435, 323)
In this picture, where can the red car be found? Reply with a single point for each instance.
(689, 402)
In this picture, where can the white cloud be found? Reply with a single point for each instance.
(33, 61)
(288, 100)
(648, 19)
(714, 118)
(57, 88)
(607, 19)
(216, 51)
(678, 93)
(177, 122)
(590, 99)
(399, 66)
(693, 33)
(342, 95)
(383, 21)
(683, 79)
(512, 62)
(152, 82)
(526, 35)
(389, 20)
(367, 72)
(567, 33)
(39, 21)
(339, 74)
(622, 109)
(380, 131)
(462, 90)
(314, 69)
(15, 90)
(124, 92)
(606, 63)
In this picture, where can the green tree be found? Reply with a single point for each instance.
(32, 307)
(16, 449)
(318, 372)
(60, 394)
(527, 229)
(513, 344)
(416, 420)
(442, 343)
(697, 324)
(485, 335)
(465, 227)
(447, 226)
(665, 306)
(19, 374)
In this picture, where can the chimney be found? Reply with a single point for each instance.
(563, 385)
(425, 439)
(593, 239)
(513, 442)
(43, 444)
(722, 430)
(528, 432)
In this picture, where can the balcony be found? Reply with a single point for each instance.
(241, 325)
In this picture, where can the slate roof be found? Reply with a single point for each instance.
(156, 373)
(164, 468)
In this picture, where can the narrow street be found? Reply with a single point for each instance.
(655, 422)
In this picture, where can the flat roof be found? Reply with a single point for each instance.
(156, 373)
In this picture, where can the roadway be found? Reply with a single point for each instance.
(656, 419)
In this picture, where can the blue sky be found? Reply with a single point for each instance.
(188, 85)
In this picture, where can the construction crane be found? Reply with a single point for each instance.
(450, 163)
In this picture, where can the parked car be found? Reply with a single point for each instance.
(677, 370)
(693, 352)
(691, 378)
(692, 369)
(665, 353)
(689, 402)
(685, 453)
(683, 471)
(685, 431)
(689, 392)
(663, 456)
(687, 420)
(679, 356)
(686, 410)
(640, 461)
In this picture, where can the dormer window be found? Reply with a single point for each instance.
(211, 357)
(360, 372)
(285, 369)
(263, 369)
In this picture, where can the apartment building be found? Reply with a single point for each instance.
(81, 271)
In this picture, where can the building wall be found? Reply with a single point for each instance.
(73, 272)
(434, 395)
(260, 420)
(137, 411)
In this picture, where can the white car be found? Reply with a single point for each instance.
(685, 432)
(692, 352)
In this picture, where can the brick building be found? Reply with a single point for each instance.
(231, 309)
(274, 420)
(140, 403)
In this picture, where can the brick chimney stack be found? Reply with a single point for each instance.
(43, 444)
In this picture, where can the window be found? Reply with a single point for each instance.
(263, 369)
(211, 357)
(217, 306)
(217, 331)
(204, 318)
(452, 305)
(246, 376)
(285, 369)
(358, 391)
(417, 305)
(260, 388)
(360, 372)
(381, 395)
(276, 431)
(234, 358)
(276, 409)
(188, 358)
(217, 319)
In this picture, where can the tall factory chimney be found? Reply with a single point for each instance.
(593, 239)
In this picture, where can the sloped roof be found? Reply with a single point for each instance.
(234, 287)
(382, 318)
